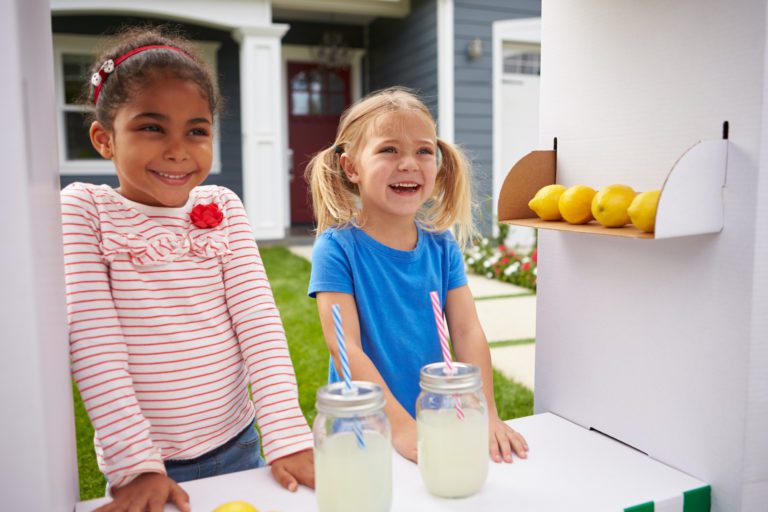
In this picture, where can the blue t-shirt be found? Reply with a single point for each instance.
(391, 289)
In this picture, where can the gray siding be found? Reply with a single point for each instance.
(403, 51)
(229, 82)
(473, 89)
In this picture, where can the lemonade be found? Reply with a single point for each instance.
(353, 479)
(453, 453)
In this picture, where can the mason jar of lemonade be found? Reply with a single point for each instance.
(452, 428)
(353, 450)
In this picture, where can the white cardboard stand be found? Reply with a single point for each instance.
(662, 344)
(39, 465)
(569, 468)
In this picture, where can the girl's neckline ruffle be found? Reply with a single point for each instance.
(165, 246)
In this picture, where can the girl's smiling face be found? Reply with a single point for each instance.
(395, 167)
(161, 142)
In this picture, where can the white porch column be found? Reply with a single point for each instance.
(264, 167)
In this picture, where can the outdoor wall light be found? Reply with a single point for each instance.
(475, 49)
(332, 50)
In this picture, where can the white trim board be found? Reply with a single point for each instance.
(221, 14)
(445, 71)
(230, 13)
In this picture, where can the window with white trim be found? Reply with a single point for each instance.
(72, 58)
(521, 59)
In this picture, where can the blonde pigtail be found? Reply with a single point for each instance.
(452, 205)
(333, 196)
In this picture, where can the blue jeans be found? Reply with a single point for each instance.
(238, 454)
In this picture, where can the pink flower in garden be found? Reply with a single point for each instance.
(525, 266)
(535, 256)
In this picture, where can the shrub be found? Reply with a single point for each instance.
(491, 258)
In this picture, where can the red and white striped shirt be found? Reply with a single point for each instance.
(168, 324)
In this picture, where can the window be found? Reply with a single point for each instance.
(318, 92)
(522, 59)
(72, 58)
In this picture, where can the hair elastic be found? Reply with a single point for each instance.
(98, 78)
(338, 149)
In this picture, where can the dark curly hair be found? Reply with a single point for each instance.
(141, 69)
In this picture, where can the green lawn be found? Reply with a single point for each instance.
(289, 276)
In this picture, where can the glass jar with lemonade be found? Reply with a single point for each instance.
(452, 428)
(353, 450)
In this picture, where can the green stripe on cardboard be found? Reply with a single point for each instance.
(643, 507)
(697, 500)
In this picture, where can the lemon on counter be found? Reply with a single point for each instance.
(609, 206)
(236, 506)
(575, 204)
(642, 211)
(545, 202)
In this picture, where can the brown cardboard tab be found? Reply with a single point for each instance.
(527, 176)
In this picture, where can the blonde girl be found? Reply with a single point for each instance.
(171, 316)
(385, 195)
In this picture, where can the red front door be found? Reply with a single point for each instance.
(316, 98)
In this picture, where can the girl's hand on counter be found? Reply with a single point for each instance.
(503, 441)
(297, 468)
(148, 491)
(404, 438)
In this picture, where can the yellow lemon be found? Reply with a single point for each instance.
(642, 211)
(609, 206)
(236, 506)
(575, 204)
(544, 203)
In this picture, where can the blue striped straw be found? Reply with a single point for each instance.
(345, 373)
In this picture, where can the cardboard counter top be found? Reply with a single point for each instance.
(569, 468)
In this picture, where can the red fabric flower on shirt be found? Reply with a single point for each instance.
(206, 215)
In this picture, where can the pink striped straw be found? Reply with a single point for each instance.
(442, 333)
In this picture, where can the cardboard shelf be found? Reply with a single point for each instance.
(691, 201)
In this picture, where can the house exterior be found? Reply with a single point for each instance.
(287, 69)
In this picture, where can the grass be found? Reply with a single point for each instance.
(92, 482)
(506, 296)
(508, 343)
(289, 276)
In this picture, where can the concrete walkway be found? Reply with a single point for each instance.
(508, 316)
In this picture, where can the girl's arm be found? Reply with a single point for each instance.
(98, 352)
(470, 346)
(361, 367)
(286, 437)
